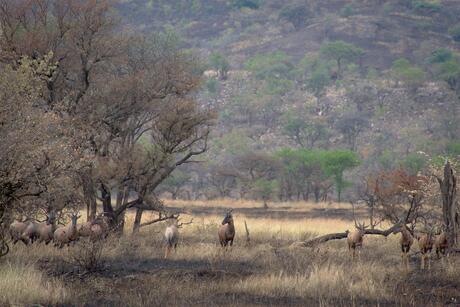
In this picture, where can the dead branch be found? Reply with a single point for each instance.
(248, 239)
(342, 235)
(184, 223)
(160, 219)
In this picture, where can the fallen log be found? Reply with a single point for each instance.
(342, 235)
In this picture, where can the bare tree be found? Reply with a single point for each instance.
(448, 186)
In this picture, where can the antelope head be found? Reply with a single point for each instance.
(228, 218)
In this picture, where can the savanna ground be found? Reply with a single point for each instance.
(265, 271)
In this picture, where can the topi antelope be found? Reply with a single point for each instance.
(67, 234)
(441, 244)
(425, 243)
(42, 232)
(171, 237)
(17, 228)
(355, 238)
(227, 230)
(406, 242)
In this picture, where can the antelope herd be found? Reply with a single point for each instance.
(30, 230)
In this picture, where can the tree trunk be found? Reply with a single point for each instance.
(448, 187)
(89, 194)
(137, 220)
(122, 198)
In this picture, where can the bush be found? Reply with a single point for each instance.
(218, 61)
(410, 74)
(453, 149)
(296, 14)
(414, 163)
(347, 11)
(440, 55)
(455, 32)
(427, 6)
(87, 255)
(252, 4)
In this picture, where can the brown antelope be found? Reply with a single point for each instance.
(406, 242)
(171, 237)
(425, 243)
(441, 244)
(227, 230)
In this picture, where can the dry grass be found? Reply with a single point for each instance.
(23, 284)
(267, 271)
(240, 204)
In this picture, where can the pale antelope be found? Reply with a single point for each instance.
(17, 228)
(171, 237)
(227, 230)
(65, 235)
(406, 242)
(43, 232)
(355, 238)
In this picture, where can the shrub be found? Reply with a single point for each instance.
(296, 14)
(414, 163)
(440, 55)
(455, 32)
(252, 4)
(87, 255)
(410, 74)
(453, 149)
(426, 6)
(347, 11)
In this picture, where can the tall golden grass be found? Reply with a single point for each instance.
(267, 270)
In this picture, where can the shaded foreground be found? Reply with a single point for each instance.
(265, 271)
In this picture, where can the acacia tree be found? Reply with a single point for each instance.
(340, 52)
(125, 99)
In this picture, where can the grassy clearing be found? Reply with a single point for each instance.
(267, 270)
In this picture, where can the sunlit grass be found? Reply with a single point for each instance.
(22, 284)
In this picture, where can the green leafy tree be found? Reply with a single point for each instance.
(275, 69)
(220, 64)
(306, 132)
(414, 163)
(264, 189)
(335, 163)
(410, 74)
(302, 173)
(341, 52)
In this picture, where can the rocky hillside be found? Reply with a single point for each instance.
(379, 78)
